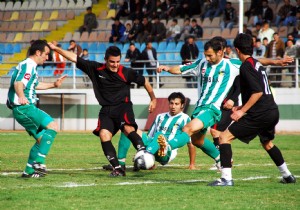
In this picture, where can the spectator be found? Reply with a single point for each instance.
(158, 9)
(185, 31)
(229, 17)
(173, 32)
(149, 55)
(117, 31)
(145, 31)
(148, 8)
(286, 14)
(275, 50)
(196, 30)
(291, 37)
(292, 51)
(133, 55)
(266, 31)
(75, 48)
(265, 41)
(169, 10)
(85, 54)
(259, 50)
(135, 30)
(124, 38)
(188, 7)
(229, 52)
(254, 8)
(158, 31)
(246, 30)
(256, 30)
(90, 21)
(189, 52)
(213, 8)
(265, 13)
(136, 7)
(123, 10)
(59, 60)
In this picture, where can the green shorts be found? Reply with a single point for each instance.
(209, 115)
(32, 119)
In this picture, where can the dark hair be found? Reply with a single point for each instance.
(112, 51)
(194, 20)
(244, 43)
(72, 40)
(174, 95)
(89, 8)
(215, 44)
(85, 49)
(175, 20)
(131, 44)
(37, 45)
(221, 40)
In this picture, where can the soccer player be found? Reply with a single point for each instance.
(168, 123)
(257, 116)
(111, 83)
(22, 99)
(216, 75)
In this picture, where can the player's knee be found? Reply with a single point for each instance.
(53, 126)
(214, 132)
(223, 139)
(105, 135)
(267, 145)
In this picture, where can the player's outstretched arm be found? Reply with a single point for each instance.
(48, 85)
(287, 60)
(150, 91)
(67, 54)
(172, 70)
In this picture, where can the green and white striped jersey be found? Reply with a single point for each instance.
(168, 125)
(26, 73)
(215, 80)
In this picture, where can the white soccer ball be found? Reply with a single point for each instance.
(144, 160)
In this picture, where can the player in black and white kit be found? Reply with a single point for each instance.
(257, 116)
(111, 84)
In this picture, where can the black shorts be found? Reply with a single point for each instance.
(252, 125)
(113, 118)
(225, 121)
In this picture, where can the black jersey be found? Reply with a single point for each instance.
(111, 88)
(253, 79)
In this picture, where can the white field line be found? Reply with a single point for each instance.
(202, 167)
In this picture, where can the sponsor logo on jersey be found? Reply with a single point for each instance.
(27, 76)
(102, 77)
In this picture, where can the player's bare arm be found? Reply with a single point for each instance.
(67, 54)
(276, 62)
(48, 85)
(172, 70)
(19, 88)
(239, 113)
(228, 104)
(151, 94)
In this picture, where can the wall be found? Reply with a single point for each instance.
(75, 111)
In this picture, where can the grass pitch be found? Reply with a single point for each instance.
(76, 179)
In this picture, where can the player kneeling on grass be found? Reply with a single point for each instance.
(111, 83)
(22, 99)
(257, 116)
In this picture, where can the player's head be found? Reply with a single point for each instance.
(213, 51)
(243, 44)
(39, 51)
(112, 58)
(221, 40)
(176, 103)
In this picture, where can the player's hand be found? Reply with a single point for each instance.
(51, 45)
(235, 108)
(23, 100)
(287, 60)
(60, 80)
(152, 105)
(228, 104)
(162, 68)
(236, 115)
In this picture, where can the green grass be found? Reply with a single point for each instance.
(76, 180)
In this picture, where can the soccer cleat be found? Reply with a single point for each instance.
(117, 172)
(110, 168)
(163, 144)
(288, 180)
(33, 175)
(39, 168)
(216, 167)
(221, 182)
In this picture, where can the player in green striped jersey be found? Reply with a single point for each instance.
(168, 123)
(22, 99)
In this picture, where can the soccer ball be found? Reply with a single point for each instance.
(144, 160)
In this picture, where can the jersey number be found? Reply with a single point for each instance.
(266, 83)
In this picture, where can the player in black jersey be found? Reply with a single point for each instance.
(257, 116)
(111, 84)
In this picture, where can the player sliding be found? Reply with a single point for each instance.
(168, 123)
(257, 116)
(111, 83)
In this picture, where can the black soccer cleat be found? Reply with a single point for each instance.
(39, 168)
(221, 182)
(33, 175)
(117, 172)
(109, 167)
(288, 180)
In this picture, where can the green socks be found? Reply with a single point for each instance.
(45, 145)
(209, 148)
(179, 140)
(32, 156)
